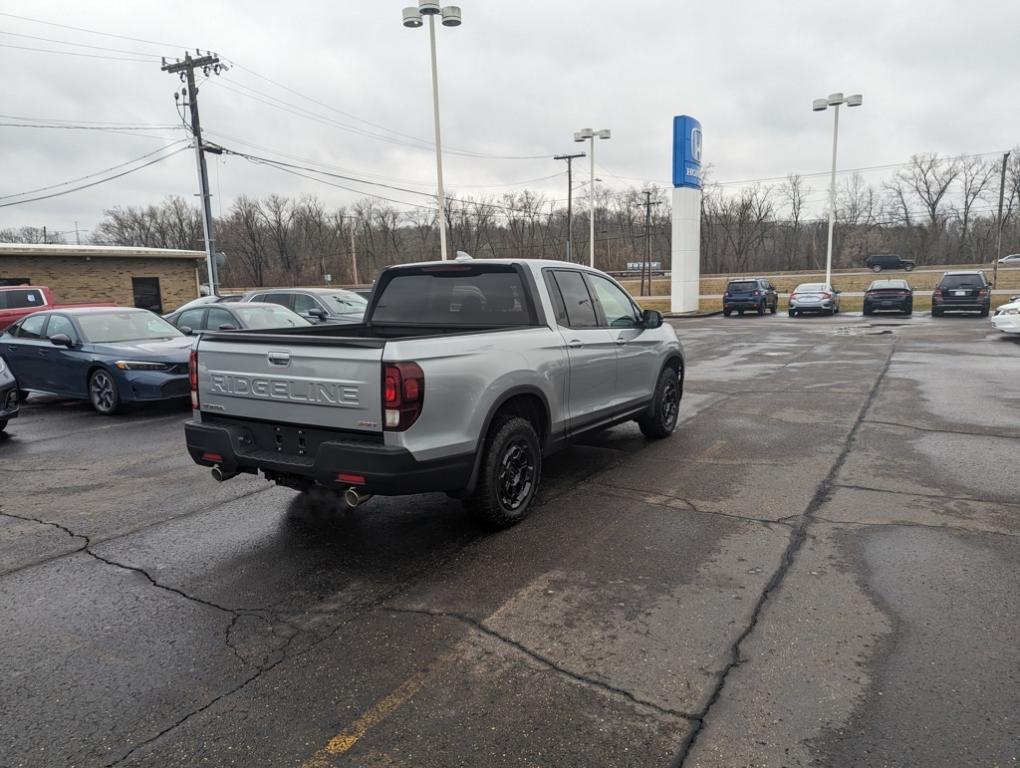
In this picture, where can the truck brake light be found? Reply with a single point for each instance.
(193, 378)
(403, 395)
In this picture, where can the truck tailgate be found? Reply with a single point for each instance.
(332, 386)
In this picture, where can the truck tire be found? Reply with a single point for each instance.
(103, 392)
(509, 476)
(660, 420)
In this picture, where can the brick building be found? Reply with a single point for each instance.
(154, 278)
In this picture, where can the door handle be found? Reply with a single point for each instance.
(575, 344)
(620, 340)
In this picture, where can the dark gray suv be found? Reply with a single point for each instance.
(317, 305)
(879, 261)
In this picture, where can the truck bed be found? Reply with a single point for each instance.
(365, 335)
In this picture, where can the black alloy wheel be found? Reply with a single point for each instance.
(103, 392)
(661, 418)
(509, 475)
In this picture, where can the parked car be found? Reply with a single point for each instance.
(9, 402)
(1007, 317)
(318, 305)
(462, 377)
(963, 291)
(1013, 258)
(753, 293)
(110, 357)
(884, 295)
(202, 301)
(17, 301)
(232, 317)
(814, 297)
(879, 261)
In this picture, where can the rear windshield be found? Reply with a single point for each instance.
(882, 285)
(492, 295)
(962, 281)
(812, 287)
(742, 286)
(21, 299)
(345, 301)
(108, 327)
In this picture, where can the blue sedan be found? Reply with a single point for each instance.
(108, 356)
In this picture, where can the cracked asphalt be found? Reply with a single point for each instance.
(821, 568)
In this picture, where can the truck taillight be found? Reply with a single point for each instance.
(403, 395)
(193, 378)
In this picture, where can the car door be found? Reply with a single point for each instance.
(637, 352)
(64, 369)
(591, 350)
(219, 317)
(23, 352)
(193, 318)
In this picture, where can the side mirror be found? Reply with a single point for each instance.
(61, 340)
(228, 327)
(652, 318)
(186, 330)
(318, 313)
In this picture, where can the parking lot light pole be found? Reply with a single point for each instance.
(834, 100)
(587, 134)
(451, 18)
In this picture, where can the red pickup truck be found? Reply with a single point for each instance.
(20, 300)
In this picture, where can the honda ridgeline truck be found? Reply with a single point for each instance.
(461, 377)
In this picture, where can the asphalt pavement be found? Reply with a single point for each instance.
(820, 568)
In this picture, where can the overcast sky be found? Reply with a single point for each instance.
(517, 79)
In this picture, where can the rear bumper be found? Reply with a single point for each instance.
(387, 470)
(877, 305)
(814, 306)
(962, 304)
(743, 303)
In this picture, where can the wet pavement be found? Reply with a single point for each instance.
(821, 568)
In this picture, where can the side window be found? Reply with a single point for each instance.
(303, 303)
(192, 318)
(283, 299)
(218, 317)
(32, 327)
(61, 324)
(577, 301)
(557, 299)
(616, 305)
(24, 299)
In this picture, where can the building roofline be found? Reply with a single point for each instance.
(96, 251)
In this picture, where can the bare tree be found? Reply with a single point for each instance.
(792, 192)
(976, 177)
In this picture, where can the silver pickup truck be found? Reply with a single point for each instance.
(463, 375)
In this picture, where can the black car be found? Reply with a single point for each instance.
(889, 295)
(109, 356)
(318, 305)
(232, 317)
(8, 395)
(879, 261)
(750, 294)
(964, 291)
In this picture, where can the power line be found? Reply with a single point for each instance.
(91, 31)
(95, 183)
(75, 53)
(92, 175)
(80, 45)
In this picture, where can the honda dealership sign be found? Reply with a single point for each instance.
(685, 266)
(686, 152)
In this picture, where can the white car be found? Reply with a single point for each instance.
(1013, 258)
(1007, 317)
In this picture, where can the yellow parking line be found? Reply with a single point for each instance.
(378, 712)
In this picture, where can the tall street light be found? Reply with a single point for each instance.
(451, 18)
(587, 134)
(834, 100)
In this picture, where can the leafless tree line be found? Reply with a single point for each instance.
(935, 210)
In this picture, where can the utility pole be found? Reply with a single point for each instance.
(209, 64)
(77, 234)
(570, 199)
(998, 238)
(647, 263)
(354, 255)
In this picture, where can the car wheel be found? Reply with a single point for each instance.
(792, 312)
(877, 268)
(660, 420)
(984, 312)
(103, 392)
(509, 476)
(761, 308)
(867, 311)
(909, 267)
(909, 310)
(936, 313)
(22, 395)
(727, 312)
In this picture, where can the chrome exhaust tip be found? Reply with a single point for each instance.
(352, 498)
(219, 475)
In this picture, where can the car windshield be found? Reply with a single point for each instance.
(742, 286)
(811, 288)
(127, 325)
(962, 281)
(256, 317)
(347, 301)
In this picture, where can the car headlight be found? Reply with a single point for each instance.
(1011, 311)
(139, 365)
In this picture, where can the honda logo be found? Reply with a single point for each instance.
(696, 145)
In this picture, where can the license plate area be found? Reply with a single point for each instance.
(959, 293)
